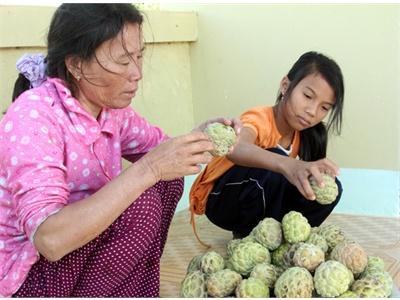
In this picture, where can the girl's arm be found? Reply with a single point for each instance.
(247, 154)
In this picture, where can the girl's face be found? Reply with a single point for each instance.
(309, 103)
(110, 79)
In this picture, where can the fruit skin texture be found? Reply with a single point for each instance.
(222, 283)
(382, 276)
(373, 286)
(252, 288)
(212, 262)
(349, 294)
(222, 136)
(332, 279)
(246, 255)
(265, 272)
(194, 264)
(308, 256)
(194, 285)
(352, 255)
(295, 227)
(277, 256)
(333, 235)
(268, 233)
(327, 194)
(318, 240)
(295, 282)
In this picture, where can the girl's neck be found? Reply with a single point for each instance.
(283, 126)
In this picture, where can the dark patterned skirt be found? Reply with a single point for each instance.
(124, 261)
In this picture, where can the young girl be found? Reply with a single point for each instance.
(262, 177)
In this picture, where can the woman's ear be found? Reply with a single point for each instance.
(74, 66)
(284, 85)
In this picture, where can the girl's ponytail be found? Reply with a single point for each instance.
(314, 142)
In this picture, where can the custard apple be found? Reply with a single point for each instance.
(194, 264)
(318, 240)
(332, 279)
(265, 272)
(328, 193)
(384, 277)
(268, 233)
(252, 288)
(372, 286)
(222, 136)
(351, 254)
(222, 283)
(295, 282)
(295, 227)
(333, 235)
(308, 256)
(349, 294)
(231, 245)
(194, 285)
(375, 262)
(212, 262)
(277, 256)
(246, 255)
(289, 255)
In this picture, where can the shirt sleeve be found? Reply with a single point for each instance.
(256, 120)
(32, 155)
(138, 135)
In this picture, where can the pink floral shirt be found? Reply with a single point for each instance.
(52, 152)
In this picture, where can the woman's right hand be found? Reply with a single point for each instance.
(298, 173)
(179, 156)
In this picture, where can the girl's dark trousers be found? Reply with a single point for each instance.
(244, 196)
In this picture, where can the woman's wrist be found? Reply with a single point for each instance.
(145, 170)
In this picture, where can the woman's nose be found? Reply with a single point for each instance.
(135, 71)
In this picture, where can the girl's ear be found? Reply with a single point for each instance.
(284, 85)
(74, 66)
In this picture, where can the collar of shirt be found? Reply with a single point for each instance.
(86, 126)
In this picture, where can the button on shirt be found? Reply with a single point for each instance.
(52, 153)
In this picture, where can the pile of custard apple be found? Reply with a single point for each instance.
(288, 259)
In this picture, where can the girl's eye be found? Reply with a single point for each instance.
(325, 108)
(307, 96)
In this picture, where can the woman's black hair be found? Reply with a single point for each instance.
(314, 140)
(78, 29)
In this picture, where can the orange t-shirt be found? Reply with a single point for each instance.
(261, 120)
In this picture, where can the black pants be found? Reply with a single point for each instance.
(243, 196)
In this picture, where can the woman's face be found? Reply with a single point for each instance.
(110, 79)
(309, 103)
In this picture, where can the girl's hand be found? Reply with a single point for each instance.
(178, 156)
(298, 172)
(235, 123)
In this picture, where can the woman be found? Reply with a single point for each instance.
(74, 224)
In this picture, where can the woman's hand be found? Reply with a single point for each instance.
(298, 173)
(179, 156)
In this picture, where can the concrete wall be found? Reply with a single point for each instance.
(243, 51)
(165, 94)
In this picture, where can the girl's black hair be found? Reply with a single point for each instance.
(314, 140)
(78, 30)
